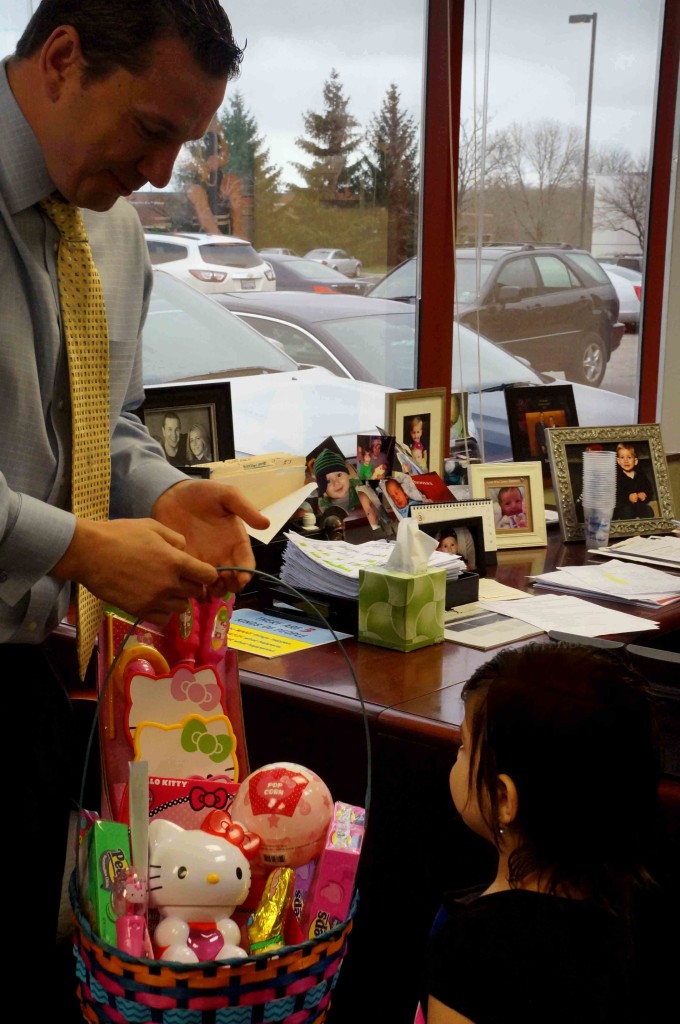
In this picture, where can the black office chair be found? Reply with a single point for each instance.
(662, 669)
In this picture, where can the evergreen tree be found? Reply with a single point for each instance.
(389, 175)
(331, 137)
(249, 178)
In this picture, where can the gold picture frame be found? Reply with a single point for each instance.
(565, 449)
(430, 406)
(516, 491)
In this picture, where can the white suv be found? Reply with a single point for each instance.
(211, 263)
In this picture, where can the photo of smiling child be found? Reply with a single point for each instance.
(417, 439)
(334, 484)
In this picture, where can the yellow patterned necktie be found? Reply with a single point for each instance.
(83, 316)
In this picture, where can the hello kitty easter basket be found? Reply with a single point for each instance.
(169, 700)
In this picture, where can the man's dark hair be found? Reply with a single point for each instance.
(122, 33)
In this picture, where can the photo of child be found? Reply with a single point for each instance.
(417, 438)
(509, 508)
(364, 467)
(401, 494)
(333, 481)
(458, 415)
(633, 488)
(456, 537)
(447, 540)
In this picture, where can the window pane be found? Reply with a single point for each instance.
(554, 160)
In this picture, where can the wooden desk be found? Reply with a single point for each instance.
(305, 707)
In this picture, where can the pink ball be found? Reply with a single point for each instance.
(290, 808)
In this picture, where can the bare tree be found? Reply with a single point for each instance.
(471, 142)
(622, 201)
(537, 167)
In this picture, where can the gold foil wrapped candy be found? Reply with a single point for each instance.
(265, 925)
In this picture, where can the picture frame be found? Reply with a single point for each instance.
(516, 491)
(429, 405)
(452, 511)
(200, 407)
(469, 530)
(531, 412)
(565, 449)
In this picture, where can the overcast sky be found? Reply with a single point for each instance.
(538, 65)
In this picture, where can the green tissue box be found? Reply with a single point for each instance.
(401, 610)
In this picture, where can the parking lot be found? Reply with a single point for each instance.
(622, 369)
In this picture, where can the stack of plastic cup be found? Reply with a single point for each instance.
(598, 496)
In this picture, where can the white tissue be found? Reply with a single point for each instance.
(412, 548)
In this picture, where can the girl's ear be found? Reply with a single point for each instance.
(508, 800)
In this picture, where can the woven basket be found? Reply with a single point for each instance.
(291, 986)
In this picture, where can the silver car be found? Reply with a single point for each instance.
(338, 259)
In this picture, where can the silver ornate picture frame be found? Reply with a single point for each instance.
(565, 450)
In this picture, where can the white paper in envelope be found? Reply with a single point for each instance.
(412, 549)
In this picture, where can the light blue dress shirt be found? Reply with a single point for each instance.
(36, 525)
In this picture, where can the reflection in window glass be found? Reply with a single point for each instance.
(317, 145)
(554, 155)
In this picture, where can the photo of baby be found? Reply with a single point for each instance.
(509, 507)
(401, 494)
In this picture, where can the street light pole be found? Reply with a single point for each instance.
(575, 19)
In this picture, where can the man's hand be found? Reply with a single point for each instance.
(137, 565)
(210, 516)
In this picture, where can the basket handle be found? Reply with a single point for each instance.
(315, 612)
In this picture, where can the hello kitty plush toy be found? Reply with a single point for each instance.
(197, 878)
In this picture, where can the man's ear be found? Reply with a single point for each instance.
(60, 58)
(508, 800)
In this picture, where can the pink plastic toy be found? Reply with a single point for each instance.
(129, 901)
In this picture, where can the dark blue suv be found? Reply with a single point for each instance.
(552, 305)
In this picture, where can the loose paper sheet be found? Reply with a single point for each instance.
(573, 615)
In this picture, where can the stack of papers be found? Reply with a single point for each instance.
(567, 614)
(664, 551)
(615, 581)
(332, 567)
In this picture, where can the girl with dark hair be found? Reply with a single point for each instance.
(558, 769)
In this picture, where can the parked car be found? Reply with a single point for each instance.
(552, 305)
(338, 259)
(277, 252)
(276, 405)
(297, 274)
(375, 340)
(628, 293)
(628, 261)
(211, 263)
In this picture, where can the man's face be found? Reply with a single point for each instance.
(110, 137)
(376, 446)
(171, 434)
(626, 459)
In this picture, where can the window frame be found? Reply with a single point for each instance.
(442, 92)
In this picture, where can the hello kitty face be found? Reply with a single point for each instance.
(195, 874)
